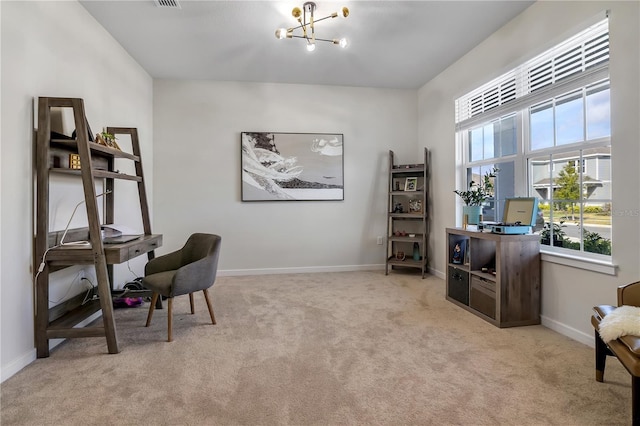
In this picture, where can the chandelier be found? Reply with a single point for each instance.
(307, 23)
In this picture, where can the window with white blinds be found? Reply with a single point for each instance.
(546, 125)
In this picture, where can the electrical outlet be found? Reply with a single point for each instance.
(380, 241)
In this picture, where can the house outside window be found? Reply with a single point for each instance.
(546, 125)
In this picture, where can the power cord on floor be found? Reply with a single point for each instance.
(91, 292)
(124, 292)
(135, 276)
(66, 293)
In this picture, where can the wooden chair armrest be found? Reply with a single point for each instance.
(629, 294)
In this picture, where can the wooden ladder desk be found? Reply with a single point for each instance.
(58, 154)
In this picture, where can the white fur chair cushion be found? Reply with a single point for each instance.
(623, 321)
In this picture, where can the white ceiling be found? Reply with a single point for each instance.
(392, 44)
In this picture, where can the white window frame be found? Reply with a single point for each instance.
(512, 93)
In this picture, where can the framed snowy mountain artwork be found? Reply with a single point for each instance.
(292, 166)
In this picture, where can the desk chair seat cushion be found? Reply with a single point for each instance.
(160, 282)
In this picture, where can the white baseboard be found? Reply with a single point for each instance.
(570, 332)
(30, 356)
(438, 274)
(301, 270)
(17, 365)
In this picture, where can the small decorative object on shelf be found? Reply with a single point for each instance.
(415, 206)
(100, 140)
(397, 208)
(107, 139)
(458, 253)
(74, 161)
(400, 255)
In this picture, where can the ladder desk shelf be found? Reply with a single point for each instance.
(96, 164)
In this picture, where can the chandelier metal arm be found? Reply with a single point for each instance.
(333, 15)
(308, 23)
(334, 41)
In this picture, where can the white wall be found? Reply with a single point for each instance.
(197, 126)
(55, 49)
(568, 294)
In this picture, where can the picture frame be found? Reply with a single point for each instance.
(411, 184)
(291, 166)
(89, 133)
(458, 252)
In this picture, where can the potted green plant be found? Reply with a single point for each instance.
(476, 195)
(558, 233)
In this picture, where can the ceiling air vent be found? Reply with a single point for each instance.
(167, 4)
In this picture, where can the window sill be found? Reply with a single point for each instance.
(595, 265)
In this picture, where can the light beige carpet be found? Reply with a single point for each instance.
(355, 348)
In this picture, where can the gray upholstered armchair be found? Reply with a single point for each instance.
(185, 271)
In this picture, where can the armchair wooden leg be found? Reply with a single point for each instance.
(206, 297)
(601, 357)
(152, 306)
(635, 400)
(170, 319)
(193, 311)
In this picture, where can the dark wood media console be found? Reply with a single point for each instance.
(498, 277)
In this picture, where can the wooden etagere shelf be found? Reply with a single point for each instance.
(407, 230)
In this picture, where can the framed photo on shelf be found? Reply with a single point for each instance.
(410, 184)
(458, 254)
(415, 206)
